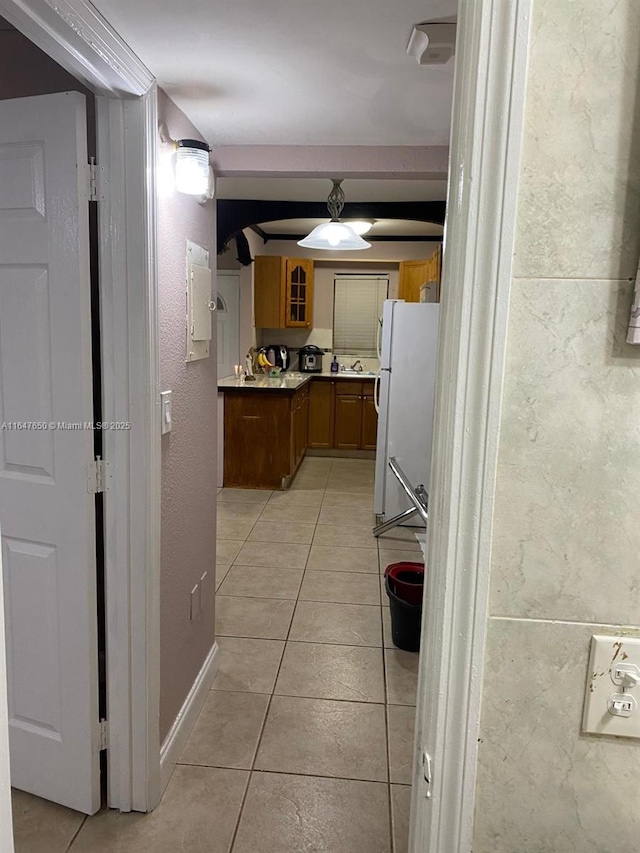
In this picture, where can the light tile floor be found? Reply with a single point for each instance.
(306, 737)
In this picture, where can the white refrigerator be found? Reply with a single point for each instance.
(406, 389)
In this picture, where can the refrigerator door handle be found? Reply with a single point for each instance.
(379, 339)
(376, 394)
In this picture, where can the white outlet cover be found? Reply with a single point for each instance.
(605, 653)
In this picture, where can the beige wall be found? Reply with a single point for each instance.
(567, 516)
(189, 452)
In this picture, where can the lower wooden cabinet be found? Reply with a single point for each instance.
(343, 415)
(348, 429)
(299, 426)
(267, 432)
(265, 437)
(321, 414)
(369, 421)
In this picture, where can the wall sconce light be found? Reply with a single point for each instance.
(194, 175)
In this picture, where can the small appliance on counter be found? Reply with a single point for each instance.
(277, 355)
(310, 359)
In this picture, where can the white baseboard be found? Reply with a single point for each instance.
(184, 722)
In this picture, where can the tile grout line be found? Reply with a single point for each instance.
(268, 708)
(367, 702)
(288, 773)
(77, 833)
(287, 640)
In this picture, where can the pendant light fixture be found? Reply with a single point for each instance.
(335, 235)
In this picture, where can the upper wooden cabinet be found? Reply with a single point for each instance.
(283, 292)
(413, 274)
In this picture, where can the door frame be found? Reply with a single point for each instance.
(75, 35)
(491, 58)
(485, 157)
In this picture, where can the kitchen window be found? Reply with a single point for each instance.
(357, 308)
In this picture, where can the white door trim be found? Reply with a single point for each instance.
(491, 62)
(74, 34)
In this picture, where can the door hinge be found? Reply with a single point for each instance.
(103, 730)
(97, 476)
(95, 174)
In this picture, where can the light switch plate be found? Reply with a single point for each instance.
(604, 690)
(166, 410)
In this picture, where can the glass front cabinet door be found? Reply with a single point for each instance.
(299, 293)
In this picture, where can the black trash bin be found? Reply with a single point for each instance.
(406, 582)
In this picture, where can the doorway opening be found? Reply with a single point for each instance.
(330, 488)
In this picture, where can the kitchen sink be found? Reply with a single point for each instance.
(347, 371)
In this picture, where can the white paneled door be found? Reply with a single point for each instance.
(47, 513)
(228, 311)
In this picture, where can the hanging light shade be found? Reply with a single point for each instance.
(192, 167)
(361, 226)
(335, 235)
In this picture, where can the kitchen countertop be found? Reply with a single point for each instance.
(285, 381)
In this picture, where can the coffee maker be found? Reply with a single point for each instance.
(310, 358)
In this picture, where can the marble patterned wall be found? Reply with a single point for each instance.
(566, 545)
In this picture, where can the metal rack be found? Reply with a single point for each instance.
(418, 497)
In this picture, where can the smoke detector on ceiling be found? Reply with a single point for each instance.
(432, 44)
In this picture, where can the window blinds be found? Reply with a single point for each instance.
(357, 307)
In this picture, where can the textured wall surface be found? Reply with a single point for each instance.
(566, 546)
(189, 451)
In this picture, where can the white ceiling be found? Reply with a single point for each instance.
(381, 227)
(294, 72)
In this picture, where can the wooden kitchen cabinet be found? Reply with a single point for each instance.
(415, 274)
(299, 293)
(356, 421)
(321, 414)
(265, 436)
(369, 437)
(348, 422)
(267, 431)
(299, 426)
(283, 292)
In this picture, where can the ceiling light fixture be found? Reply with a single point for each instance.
(335, 235)
(360, 226)
(193, 172)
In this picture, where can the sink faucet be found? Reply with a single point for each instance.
(355, 366)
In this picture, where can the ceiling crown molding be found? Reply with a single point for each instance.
(76, 36)
(380, 162)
